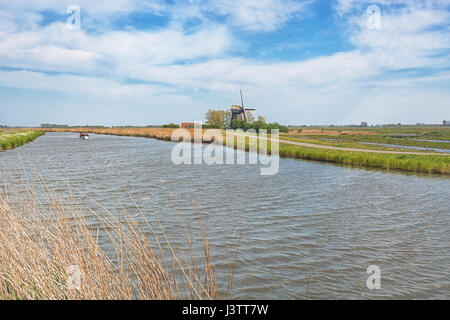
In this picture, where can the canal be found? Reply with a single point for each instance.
(311, 231)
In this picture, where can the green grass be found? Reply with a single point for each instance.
(401, 136)
(432, 133)
(14, 139)
(409, 163)
(348, 144)
(396, 141)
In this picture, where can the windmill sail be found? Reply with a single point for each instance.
(242, 105)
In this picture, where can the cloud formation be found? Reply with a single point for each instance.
(388, 75)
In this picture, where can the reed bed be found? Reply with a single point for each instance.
(12, 139)
(154, 133)
(44, 239)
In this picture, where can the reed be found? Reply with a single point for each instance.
(13, 139)
(155, 133)
(42, 236)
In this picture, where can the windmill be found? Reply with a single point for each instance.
(238, 112)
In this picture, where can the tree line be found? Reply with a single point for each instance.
(221, 119)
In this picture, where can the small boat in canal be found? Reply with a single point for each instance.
(84, 136)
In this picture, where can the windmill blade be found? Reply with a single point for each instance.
(242, 104)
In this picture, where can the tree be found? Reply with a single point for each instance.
(218, 118)
(261, 119)
(242, 124)
(250, 117)
(227, 119)
(171, 125)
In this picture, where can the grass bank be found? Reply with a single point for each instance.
(408, 163)
(13, 139)
(428, 164)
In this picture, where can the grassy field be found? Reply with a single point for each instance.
(345, 137)
(403, 141)
(345, 143)
(402, 136)
(10, 139)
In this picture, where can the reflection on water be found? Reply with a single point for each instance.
(440, 141)
(407, 147)
(313, 222)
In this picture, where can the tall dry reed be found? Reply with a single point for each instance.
(41, 240)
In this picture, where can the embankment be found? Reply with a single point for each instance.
(12, 139)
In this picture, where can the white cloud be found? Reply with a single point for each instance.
(92, 87)
(56, 48)
(348, 86)
(100, 8)
(251, 15)
(344, 7)
(257, 14)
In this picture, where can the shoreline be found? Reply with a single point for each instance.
(10, 140)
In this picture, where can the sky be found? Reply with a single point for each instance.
(123, 62)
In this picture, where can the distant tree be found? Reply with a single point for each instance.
(261, 119)
(49, 125)
(171, 125)
(250, 117)
(445, 123)
(244, 125)
(239, 124)
(364, 124)
(218, 118)
(227, 119)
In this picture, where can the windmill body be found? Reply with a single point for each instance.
(239, 112)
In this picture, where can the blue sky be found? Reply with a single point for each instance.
(153, 62)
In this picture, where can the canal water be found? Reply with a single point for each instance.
(439, 141)
(311, 231)
(408, 147)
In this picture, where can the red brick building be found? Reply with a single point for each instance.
(187, 125)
